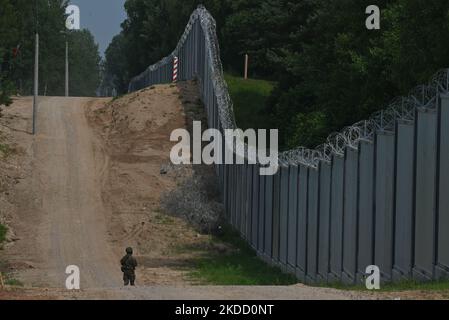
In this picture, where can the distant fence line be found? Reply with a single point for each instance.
(376, 193)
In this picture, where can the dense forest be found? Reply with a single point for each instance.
(329, 69)
(18, 24)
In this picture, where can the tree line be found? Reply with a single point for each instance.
(19, 20)
(330, 70)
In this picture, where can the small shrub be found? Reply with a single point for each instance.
(5, 150)
(14, 283)
(3, 231)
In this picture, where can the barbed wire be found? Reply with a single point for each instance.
(401, 108)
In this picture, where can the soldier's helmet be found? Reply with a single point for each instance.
(129, 250)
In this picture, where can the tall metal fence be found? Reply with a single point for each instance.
(376, 193)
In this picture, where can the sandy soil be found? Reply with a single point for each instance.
(88, 185)
(64, 212)
(135, 132)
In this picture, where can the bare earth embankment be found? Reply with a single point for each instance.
(88, 185)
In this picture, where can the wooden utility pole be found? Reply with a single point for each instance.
(36, 70)
(67, 68)
(36, 82)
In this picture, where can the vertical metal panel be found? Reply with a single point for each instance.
(276, 218)
(425, 193)
(269, 182)
(255, 207)
(262, 210)
(234, 196)
(365, 252)
(243, 200)
(324, 221)
(283, 215)
(405, 137)
(226, 191)
(301, 253)
(228, 194)
(336, 226)
(238, 198)
(232, 193)
(292, 215)
(443, 206)
(383, 245)
(350, 218)
(312, 225)
(249, 202)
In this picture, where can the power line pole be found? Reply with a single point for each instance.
(36, 82)
(66, 68)
(246, 67)
(36, 71)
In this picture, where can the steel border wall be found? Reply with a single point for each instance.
(375, 193)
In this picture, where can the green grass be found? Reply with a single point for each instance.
(249, 98)
(13, 283)
(5, 150)
(3, 231)
(164, 219)
(240, 266)
(413, 285)
(117, 97)
(408, 285)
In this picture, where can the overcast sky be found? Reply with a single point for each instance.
(102, 18)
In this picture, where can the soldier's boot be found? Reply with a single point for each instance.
(125, 279)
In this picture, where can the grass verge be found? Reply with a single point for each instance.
(249, 98)
(408, 285)
(239, 266)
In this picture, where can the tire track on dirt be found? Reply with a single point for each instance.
(73, 230)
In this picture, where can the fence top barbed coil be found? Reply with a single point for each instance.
(401, 108)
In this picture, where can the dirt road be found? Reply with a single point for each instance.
(67, 185)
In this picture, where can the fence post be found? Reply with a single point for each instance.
(175, 69)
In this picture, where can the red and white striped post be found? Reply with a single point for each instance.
(175, 69)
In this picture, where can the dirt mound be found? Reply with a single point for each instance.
(136, 130)
(14, 167)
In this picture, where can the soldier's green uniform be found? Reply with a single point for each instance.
(129, 265)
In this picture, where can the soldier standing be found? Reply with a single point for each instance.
(129, 265)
